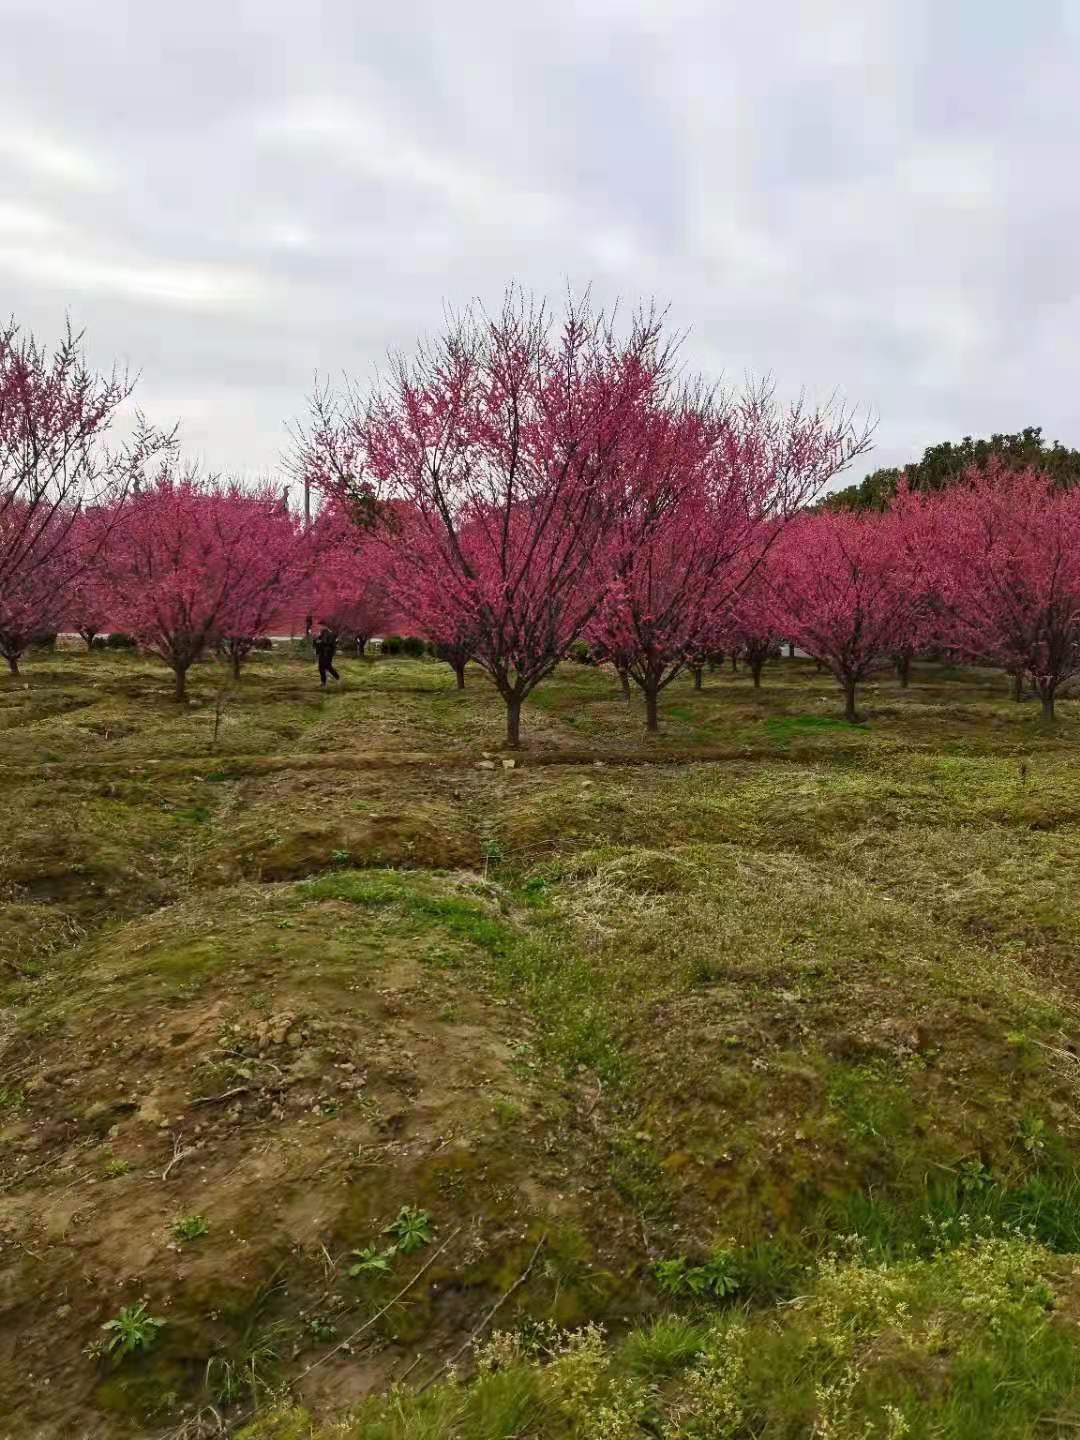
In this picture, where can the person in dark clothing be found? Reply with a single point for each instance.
(325, 645)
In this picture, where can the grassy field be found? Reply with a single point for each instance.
(737, 1067)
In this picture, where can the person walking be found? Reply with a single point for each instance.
(325, 645)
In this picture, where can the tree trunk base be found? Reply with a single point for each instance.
(652, 712)
(513, 724)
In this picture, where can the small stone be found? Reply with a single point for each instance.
(485, 765)
(509, 764)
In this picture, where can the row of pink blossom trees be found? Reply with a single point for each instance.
(521, 486)
(96, 535)
(986, 572)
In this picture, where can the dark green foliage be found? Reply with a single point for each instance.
(942, 464)
(118, 640)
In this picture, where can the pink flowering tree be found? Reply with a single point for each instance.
(55, 462)
(753, 628)
(349, 590)
(1009, 551)
(501, 441)
(86, 599)
(834, 583)
(715, 484)
(912, 529)
(194, 563)
(31, 600)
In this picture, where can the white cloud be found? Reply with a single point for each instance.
(72, 271)
(369, 145)
(44, 156)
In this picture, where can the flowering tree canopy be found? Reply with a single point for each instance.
(350, 581)
(714, 483)
(502, 439)
(833, 581)
(55, 414)
(193, 563)
(1008, 548)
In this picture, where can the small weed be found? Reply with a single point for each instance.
(253, 1369)
(131, 1330)
(492, 852)
(1031, 1133)
(116, 1167)
(411, 1230)
(715, 1278)
(506, 1112)
(320, 1328)
(340, 857)
(974, 1175)
(372, 1261)
(190, 1227)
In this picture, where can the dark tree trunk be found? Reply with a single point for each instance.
(755, 670)
(903, 671)
(624, 681)
(652, 717)
(734, 664)
(180, 692)
(818, 667)
(791, 650)
(1048, 706)
(236, 664)
(513, 722)
(1017, 684)
(697, 676)
(13, 663)
(459, 671)
(88, 638)
(850, 713)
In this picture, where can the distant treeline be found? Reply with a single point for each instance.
(942, 464)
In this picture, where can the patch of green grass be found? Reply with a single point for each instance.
(669, 1345)
(784, 728)
(193, 814)
(871, 1102)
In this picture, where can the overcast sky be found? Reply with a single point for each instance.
(880, 196)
